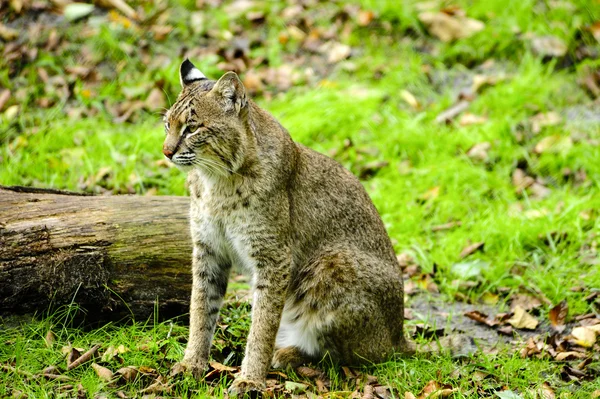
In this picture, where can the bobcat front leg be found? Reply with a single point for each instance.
(209, 283)
(269, 291)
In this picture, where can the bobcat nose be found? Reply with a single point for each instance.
(168, 153)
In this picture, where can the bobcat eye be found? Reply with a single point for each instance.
(192, 128)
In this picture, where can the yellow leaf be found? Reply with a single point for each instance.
(522, 319)
(584, 336)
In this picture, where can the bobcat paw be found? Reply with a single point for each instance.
(246, 388)
(197, 369)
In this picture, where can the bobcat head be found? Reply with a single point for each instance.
(207, 127)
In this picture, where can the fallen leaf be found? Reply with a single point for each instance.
(50, 339)
(295, 387)
(544, 119)
(410, 99)
(553, 144)
(8, 34)
(102, 372)
(523, 320)
(409, 395)
(479, 151)
(430, 194)
(157, 387)
(364, 17)
(119, 5)
(4, 97)
(448, 28)
(525, 301)
(584, 336)
(571, 355)
(128, 373)
(558, 315)
(520, 180)
(468, 119)
(481, 318)
(469, 269)
(471, 249)
(335, 51)
(508, 394)
(75, 11)
(548, 46)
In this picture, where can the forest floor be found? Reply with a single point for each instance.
(474, 126)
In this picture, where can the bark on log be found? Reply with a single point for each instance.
(112, 255)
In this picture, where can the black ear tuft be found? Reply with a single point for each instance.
(188, 73)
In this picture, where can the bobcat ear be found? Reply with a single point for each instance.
(188, 73)
(232, 90)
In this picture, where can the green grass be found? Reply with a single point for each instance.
(359, 101)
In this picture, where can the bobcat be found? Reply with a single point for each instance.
(325, 278)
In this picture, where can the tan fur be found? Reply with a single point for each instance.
(325, 278)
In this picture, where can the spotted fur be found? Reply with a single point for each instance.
(325, 278)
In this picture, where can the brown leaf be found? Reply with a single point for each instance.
(472, 248)
(448, 28)
(542, 120)
(87, 356)
(368, 392)
(525, 301)
(309, 372)
(558, 315)
(481, 318)
(72, 355)
(548, 46)
(4, 97)
(364, 17)
(120, 5)
(50, 339)
(520, 180)
(102, 372)
(571, 355)
(523, 320)
(335, 51)
(479, 151)
(157, 387)
(128, 373)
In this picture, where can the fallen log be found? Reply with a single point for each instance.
(112, 255)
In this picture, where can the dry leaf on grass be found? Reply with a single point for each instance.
(410, 99)
(448, 28)
(434, 389)
(481, 317)
(548, 46)
(553, 144)
(471, 249)
(558, 315)
(523, 320)
(468, 119)
(584, 336)
(479, 151)
(526, 301)
(50, 339)
(102, 372)
(544, 119)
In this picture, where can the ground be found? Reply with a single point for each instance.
(474, 126)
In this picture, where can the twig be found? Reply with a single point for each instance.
(84, 358)
(452, 112)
